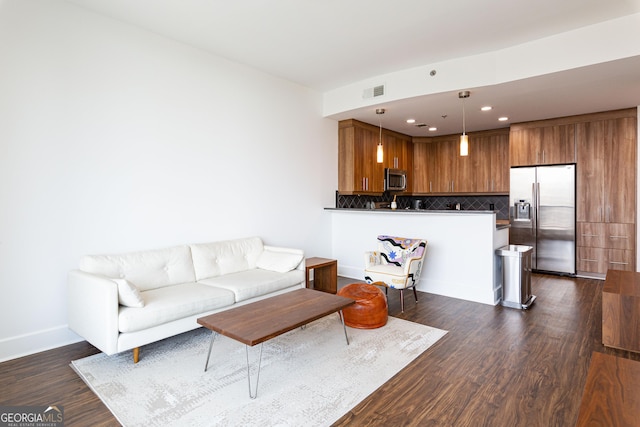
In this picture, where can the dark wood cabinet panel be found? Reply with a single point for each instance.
(591, 234)
(537, 144)
(592, 260)
(590, 171)
(620, 170)
(439, 168)
(358, 169)
(423, 164)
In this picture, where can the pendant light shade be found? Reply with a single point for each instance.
(380, 150)
(464, 145)
(464, 138)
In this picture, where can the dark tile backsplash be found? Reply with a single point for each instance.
(433, 203)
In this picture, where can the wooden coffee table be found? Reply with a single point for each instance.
(260, 321)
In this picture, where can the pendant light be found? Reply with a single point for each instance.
(464, 138)
(380, 151)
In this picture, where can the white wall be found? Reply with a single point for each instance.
(115, 139)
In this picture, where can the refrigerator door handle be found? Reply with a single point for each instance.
(534, 208)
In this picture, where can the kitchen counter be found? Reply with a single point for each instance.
(500, 223)
(460, 260)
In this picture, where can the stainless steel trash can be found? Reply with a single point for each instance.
(516, 276)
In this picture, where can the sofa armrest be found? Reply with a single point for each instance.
(93, 309)
(292, 251)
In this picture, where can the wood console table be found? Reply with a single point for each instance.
(610, 395)
(621, 310)
(325, 274)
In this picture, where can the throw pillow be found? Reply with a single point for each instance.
(278, 261)
(128, 294)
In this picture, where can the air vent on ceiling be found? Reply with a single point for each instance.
(421, 125)
(372, 92)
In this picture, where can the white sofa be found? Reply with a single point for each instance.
(122, 302)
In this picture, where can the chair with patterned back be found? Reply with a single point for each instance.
(396, 264)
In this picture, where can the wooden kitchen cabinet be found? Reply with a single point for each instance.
(423, 165)
(535, 143)
(606, 191)
(439, 168)
(358, 169)
(592, 260)
(398, 154)
(445, 166)
(606, 185)
(490, 151)
(620, 171)
(605, 246)
(434, 165)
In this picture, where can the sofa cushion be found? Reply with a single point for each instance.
(390, 274)
(278, 261)
(225, 257)
(169, 303)
(255, 282)
(128, 294)
(146, 269)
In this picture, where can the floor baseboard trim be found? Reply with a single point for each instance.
(36, 342)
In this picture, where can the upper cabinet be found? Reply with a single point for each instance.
(606, 184)
(439, 168)
(490, 153)
(535, 143)
(358, 169)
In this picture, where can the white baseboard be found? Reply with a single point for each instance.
(351, 272)
(35, 342)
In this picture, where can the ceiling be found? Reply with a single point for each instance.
(328, 44)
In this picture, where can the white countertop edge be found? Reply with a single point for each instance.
(421, 211)
(499, 226)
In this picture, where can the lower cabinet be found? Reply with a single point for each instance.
(605, 246)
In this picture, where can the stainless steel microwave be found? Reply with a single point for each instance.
(395, 179)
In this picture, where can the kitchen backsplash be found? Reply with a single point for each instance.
(432, 203)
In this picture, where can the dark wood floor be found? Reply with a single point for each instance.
(495, 367)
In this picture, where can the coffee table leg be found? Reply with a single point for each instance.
(213, 338)
(255, 393)
(344, 327)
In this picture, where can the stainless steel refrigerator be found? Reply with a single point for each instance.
(542, 213)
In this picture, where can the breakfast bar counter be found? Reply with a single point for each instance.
(460, 260)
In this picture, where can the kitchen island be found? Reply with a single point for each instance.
(460, 260)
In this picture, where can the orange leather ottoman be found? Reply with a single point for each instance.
(370, 309)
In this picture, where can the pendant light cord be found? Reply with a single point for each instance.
(464, 121)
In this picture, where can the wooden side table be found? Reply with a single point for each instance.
(621, 310)
(325, 274)
(610, 395)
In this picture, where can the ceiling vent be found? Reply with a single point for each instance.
(373, 92)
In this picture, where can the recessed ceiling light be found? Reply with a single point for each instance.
(433, 129)
(503, 119)
(411, 121)
(486, 108)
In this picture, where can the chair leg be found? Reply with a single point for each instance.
(402, 300)
(415, 294)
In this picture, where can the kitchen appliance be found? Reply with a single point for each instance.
(395, 179)
(542, 214)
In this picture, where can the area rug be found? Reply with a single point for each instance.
(308, 377)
